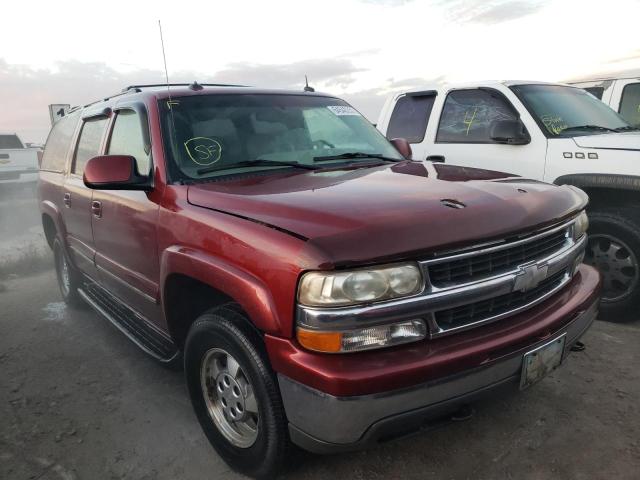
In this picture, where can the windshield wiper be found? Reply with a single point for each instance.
(350, 155)
(589, 127)
(255, 163)
(628, 128)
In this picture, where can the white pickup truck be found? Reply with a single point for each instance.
(552, 132)
(621, 94)
(18, 163)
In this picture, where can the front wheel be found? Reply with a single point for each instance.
(614, 249)
(235, 394)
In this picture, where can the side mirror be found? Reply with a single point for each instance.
(403, 147)
(510, 132)
(115, 172)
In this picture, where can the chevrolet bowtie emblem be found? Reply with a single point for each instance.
(4, 162)
(530, 277)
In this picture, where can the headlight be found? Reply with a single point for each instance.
(580, 225)
(332, 289)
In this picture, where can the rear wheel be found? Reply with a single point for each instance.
(614, 249)
(235, 394)
(68, 278)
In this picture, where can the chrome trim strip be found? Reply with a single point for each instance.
(423, 306)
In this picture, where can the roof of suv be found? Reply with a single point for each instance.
(162, 91)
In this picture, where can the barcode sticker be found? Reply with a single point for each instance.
(343, 110)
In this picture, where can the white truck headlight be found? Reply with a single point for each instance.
(352, 287)
(580, 225)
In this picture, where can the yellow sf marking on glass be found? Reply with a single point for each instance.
(469, 121)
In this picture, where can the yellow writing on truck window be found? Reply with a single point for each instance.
(554, 123)
(469, 118)
(203, 150)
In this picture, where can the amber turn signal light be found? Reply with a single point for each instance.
(328, 342)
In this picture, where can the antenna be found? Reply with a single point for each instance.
(164, 58)
(307, 88)
(166, 74)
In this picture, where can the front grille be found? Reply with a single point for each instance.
(485, 309)
(468, 269)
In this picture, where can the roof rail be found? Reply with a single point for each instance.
(153, 85)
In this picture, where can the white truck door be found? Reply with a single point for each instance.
(409, 119)
(626, 100)
(462, 135)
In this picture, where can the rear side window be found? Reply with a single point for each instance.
(89, 143)
(127, 139)
(10, 141)
(630, 104)
(59, 143)
(596, 91)
(410, 117)
(468, 114)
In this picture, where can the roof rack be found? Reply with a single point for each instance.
(154, 85)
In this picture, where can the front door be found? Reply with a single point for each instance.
(463, 135)
(124, 224)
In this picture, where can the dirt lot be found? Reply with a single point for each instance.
(79, 401)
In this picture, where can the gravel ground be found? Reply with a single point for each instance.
(79, 401)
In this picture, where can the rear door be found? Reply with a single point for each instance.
(77, 197)
(124, 227)
(410, 120)
(462, 136)
(626, 100)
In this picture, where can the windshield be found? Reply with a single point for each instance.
(207, 133)
(10, 142)
(561, 109)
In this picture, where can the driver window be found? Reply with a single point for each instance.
(127, 139)
(468, 114)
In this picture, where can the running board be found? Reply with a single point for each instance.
(129, 322)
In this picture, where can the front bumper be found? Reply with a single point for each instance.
(323, 422)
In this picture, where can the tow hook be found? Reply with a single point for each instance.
(465, 412)
(578, 347)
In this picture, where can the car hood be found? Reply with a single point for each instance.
(390, 212)
(616, 141)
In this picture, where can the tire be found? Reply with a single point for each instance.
(68, 277)
(216, 338)
(614, 249)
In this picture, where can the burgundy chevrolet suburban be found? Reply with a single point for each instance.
(320, 288)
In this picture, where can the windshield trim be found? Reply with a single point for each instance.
(543, 128)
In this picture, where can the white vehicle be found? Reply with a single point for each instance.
(621, 94)
(18, 163)
(552, 132)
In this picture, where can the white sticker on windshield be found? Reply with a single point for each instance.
(343, 110)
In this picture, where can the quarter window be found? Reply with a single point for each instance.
(127, 139)
(89, 143)
(410, 117)
(596, 91)
(630, 104)
(468, 114)
(58, 144)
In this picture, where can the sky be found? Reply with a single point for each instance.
(361, 50)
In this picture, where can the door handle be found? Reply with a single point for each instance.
(436, 158)
(96, 209)
(67, 199)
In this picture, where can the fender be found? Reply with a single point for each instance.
(246, 289)
(600, 180)
(47, 207)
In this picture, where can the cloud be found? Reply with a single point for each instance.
(490, 12)
(388, 3)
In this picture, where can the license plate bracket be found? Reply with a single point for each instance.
(541, 361)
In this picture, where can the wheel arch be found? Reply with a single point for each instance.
(605, 190)
(194, 281)
(52, 222)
